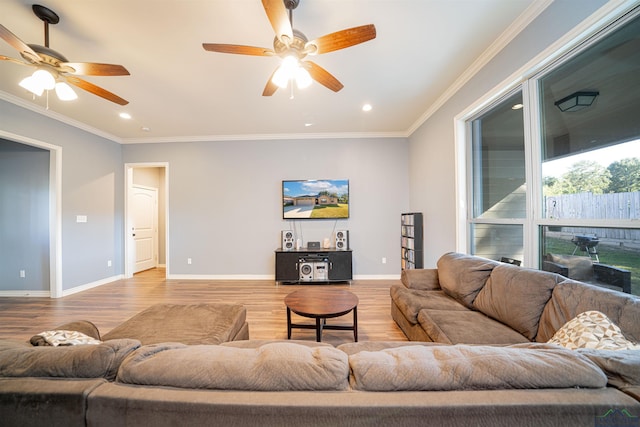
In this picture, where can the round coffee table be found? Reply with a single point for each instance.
(322, 304)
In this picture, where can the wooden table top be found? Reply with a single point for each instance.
(321, 302)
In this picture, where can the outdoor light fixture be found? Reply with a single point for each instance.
(42, 80)
(290, 69)
(576, 101)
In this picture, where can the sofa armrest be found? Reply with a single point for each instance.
(425, 279)
(613, 276)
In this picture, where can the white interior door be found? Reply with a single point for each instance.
(144, 203)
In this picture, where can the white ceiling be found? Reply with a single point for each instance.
(181, 92)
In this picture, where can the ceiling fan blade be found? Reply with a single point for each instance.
(18, 44)
(94, 69)
(237, 49)
(96, 90)
(322, 76)
(279, 19)
(271, 87)
(17, 61)
(341, 39)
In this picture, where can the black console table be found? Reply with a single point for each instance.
(309, 266)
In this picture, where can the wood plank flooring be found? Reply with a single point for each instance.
(109, 305)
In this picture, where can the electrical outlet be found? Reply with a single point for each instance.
(109, 263)
(189, 261)
(384, 260)
(23, 274)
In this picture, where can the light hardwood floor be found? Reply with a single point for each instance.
(109, 305)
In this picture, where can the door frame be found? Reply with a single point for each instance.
(129, 258)
(55, 207)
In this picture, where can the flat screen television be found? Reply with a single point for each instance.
(315, 199)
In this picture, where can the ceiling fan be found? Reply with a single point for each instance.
(293, 47)
(58, 68)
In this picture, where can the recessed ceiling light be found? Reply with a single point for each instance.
(366, 107)
(125, 116)
(517, 107)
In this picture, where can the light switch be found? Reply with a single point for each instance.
(81, 218)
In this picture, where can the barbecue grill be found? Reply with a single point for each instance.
(586, 243)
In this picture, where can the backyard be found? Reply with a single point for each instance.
(626, 258)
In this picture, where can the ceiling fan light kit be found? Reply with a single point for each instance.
(293, 47)
(54, 71)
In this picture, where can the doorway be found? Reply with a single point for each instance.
(146, 217)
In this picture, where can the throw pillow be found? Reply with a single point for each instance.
(594, 330)
(63, 337)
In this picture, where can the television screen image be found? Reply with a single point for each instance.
(315, 199)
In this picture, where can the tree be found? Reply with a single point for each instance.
(625, 175)
(585, 176)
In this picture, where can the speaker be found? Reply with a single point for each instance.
(287, 240)
(306, 271)
(342, 240)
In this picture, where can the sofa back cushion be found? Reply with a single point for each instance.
(76, 361)
(276, 366)
(462, 276)
(463, 367)
(517, 296)
(570, 298)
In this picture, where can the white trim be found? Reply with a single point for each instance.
(92, 285)
(269, 277)
(55, 209)
(531, 13)
(603, 17)
(220, 277)
(37, 294)
(56, 116)
(261, 137)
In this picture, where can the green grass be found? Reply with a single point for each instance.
(331, 211)
(610, 255)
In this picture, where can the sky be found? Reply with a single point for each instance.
(604, 156)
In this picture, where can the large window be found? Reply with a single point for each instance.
(583, 159)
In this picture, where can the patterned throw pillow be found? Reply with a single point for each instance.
(59, 337)
(592, 329)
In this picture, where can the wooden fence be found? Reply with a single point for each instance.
(597, 206)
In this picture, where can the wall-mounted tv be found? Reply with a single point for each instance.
(315, 199)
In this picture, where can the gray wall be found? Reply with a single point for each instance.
(432, 146)
(92, 185)
(225, 200)
(24, 217)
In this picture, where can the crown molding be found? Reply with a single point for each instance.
(525, 18)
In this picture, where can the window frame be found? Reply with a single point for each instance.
(527, 79)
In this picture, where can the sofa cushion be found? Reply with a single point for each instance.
(277, 366)
(516, 297)
(462, 276)
(622, 367)
(425, 279)
(410, 301)
(78, 361)
(184, 323)
(464, 367)
(570, 298)
(466, 327)
(592, 329)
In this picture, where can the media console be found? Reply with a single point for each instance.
(313, 266)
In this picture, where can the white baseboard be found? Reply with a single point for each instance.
(25, 293)
(268, 277)
(91, 285)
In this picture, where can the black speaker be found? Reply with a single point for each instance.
(288, 243)
(342, 240)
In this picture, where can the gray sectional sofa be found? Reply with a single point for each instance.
(488, 381)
